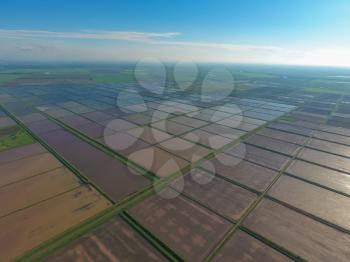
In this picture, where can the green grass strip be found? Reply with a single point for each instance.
(165, 250)
(272, 244)
(86, 226)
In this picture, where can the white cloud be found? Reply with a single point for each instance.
(338, 56)
(117, 45)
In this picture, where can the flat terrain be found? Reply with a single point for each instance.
(97, 166)
(187, 228)
(45, 220)
(114, 241)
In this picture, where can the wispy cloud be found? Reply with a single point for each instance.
(143, 37)
(50, 45)
(230, 47)
(35, 47)
(96, 35)
(146, 37)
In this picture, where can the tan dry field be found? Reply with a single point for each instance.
(21, 152)
(27, 167)
(23, 230)
(36, 189)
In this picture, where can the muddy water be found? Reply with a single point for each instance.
(315, 200)
(273, 144)
(224, 197)
(301, 235)
(260, 156)
(325, 159)
(112, 176)
(320, 175)
(242, 247)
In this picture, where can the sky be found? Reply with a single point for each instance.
(307, 32)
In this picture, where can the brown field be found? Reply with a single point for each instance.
(43, 126)
(280, 193)
(8, 130)
(149, 135)
(288, 137)
(31, 118)
(249, 120)
(20, 152)
(23, 230)
(123, 143)
(320, 202)
(27, 167)
(224, 197)
(339, 163)
(260, 156)
(188, 121)
(74, 120)
(246, 173)
(300, 234)
(224, 131)
(140, 119)
(35, 189)
(172, 127)
(245, 248)
(236, 123)
(185, 149)
(158, 161)
(335, 130)
(114, 241)
(185, 227)
(320, 175)
(273, 144)
(98, 116)
(94, 130)
(6, 121)
(333, 137)
(329, 147)
(207, 139)
(291, 128)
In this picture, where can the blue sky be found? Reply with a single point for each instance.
(255, 31)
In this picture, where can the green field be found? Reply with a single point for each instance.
(327, 90)
(13, 136)
(124, 77)
(51, 70)
(8, 75)
(246, 74)
(6, 78)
